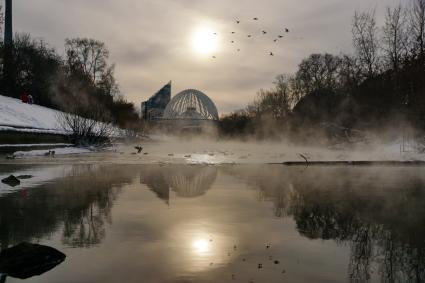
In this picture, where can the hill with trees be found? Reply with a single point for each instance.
(380, 86)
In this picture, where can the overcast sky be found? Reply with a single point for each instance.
(151, 40)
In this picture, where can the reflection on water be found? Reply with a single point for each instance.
(79, 201)
(185, 181)
(256, 223)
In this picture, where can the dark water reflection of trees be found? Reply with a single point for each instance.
(78, 203)
(379, 213)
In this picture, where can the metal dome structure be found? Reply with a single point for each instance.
(191, 104)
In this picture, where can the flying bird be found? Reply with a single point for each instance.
(214, 57)
(238, 22)
(275, 40)
(280, 36)
(233, 32)
(264, 32)
(215, 33)
(255, 19)
(249, 35)
(138, 148)
(271, 54)
(286, 30)
(232, 41)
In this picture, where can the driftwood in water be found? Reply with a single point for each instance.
(26, 260)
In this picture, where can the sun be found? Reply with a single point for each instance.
(204, 41)
(201, 246)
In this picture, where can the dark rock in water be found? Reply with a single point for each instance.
(27, 260)
(22, 177)
(11, 181)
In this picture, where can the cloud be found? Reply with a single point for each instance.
(148, 39)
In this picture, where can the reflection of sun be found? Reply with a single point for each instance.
(201, 246)
(204, 41)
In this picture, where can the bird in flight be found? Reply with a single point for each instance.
(255, 19)
(215, 33)
(232, 41)
(280, 36)
(233, 32)
(214, 57)
(237, 21)
(271, 54)
(249, 35)
(264, 32)
(275, 40)
(286, 30)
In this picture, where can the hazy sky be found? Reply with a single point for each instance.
(151, 41)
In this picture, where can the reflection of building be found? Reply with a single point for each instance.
(154, 107)
(185, 181)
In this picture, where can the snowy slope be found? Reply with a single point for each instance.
(32, 118)
(18, 116)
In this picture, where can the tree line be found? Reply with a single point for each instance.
(81, 82)
(381, 83)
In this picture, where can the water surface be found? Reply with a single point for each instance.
(227, 223)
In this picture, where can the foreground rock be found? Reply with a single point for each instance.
(27, 260)
(11, 181)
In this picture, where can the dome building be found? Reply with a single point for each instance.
(190, 111)
(191, 104)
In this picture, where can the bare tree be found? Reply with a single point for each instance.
(319, 71)
(88, 56)
(395, 37)
(417, 27)
(366, 41)
(349, 75)
(87, 125)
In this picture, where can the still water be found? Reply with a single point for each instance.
(227, 223)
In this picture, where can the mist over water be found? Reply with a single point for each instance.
(174, 150)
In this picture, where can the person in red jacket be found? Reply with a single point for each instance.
(24, 97)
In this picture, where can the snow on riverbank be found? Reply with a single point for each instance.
(18, 116)
(31, 118)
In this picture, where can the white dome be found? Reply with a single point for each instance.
(191, 104)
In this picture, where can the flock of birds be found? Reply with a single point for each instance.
(263, 32)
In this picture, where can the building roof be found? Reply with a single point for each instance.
(191, 104)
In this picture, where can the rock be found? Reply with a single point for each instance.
(11, 181)
(26, 260)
